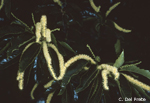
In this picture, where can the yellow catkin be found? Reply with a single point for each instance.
(2, 3)
(58, 2)
(20, 79)
(78, 57)
(48, 35)
(44, 24)
(33, 89)
(72, 60)
(48, 59)
(97, 9)
(38, 31)
(61, 60)
(49, 97)
(48, 84)
(111, 8)
(110, 68)
(120, 28)
(136, 82)
(105, 79)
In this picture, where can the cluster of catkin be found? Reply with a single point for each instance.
(107, 70)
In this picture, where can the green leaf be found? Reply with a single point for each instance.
(97, 91)
(139, 89)
(124, 88)
(87, 78)
(5, 47)
(107, 97)
(68, 95)
(84, 96)
(136, 93)
(10, 62)
(64, 44)
(28, 55)
(119, 62)
(7, 8)
(55, 61)
(111, 8)
(117, 47)
(11, 29)
(137, 70)
(54, 39)
(74, 69)
(18, 42)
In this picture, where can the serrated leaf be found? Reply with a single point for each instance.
(72, 70)
(28, 55)
(84, 96)
(10, 63)
(136, 93)
(97, 92)
(54, 39)
(139, 89)
(7, 8)
(124, 88)
(68, 95)
(18, 42)
(117, 47)
(107, 97)
(137, 70)
(64, 44)
(5, 47)
(119, 62)
(87, 78)
(11, 29)
(111, 8)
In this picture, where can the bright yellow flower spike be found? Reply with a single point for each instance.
(136, 82)
(97, 9)
(38, 31)
(20, 79)
(105, 79)
(48, 35)
(44, 24)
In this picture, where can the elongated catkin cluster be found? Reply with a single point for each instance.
(105, 79)
(42, 30)
(20, 79)
(38, 31)
(136, 82)
(106, 70)
(110, 68)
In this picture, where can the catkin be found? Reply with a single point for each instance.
(20, 79)
(48, 59)
(105, 79)
(136, 82)
(48, 35)
(121, 29)
(48, 84)
(2, 4)
(38, 31)
(33, 89)
(97, 9)
(110, 68)
(61, 60)
(72, 60)
(111, 8)
(44, 24)
(49, 97)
